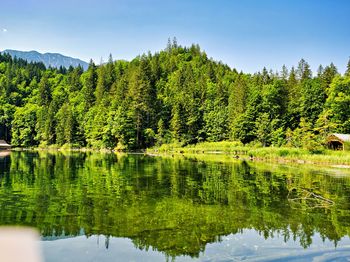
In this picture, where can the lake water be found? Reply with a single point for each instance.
(108, 207)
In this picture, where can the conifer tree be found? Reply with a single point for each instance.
(90, 85)
(303, 71)
(347, 72)
(44, 91)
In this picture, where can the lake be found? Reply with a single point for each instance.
(133, 207)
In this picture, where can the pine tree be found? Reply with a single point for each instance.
(110, 73)
(101, 84)
(90, 85)
(44, 91)
(284, 72)
(176, 124)
(347, 72)
(293, 97)
(74, 82)
(174, 43)
(265, 76)
(263, 129)
(320, 71)
(169, 46)
(327, 76)
(160, 132)
(303, 71)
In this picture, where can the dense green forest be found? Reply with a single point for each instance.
(175, 95)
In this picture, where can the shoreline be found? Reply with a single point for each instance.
(279, 160)
(279, 155)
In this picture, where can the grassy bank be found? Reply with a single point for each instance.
(65, 147)
(232, 150)
(278, 154)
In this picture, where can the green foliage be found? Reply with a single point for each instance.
(176, 95)
(89, 86)
(44, 91)
(263, 129)
(347, 73)
(312, 100)
(304, 137)
(277, 136)
(161, 132)
(65, 125)
(123, 128)
(23, 124)
(338, 102)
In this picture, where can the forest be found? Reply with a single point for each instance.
(174, 95)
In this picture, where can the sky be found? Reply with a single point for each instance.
(245, 34)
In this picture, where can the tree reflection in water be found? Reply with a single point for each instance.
(173, 205)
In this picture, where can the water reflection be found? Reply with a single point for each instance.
(172, 205)
(248, 246)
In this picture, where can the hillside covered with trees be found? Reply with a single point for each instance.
(175, 95)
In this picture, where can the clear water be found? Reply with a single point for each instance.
(107, 207)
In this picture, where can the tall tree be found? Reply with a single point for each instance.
(347, 72)
(238, 95)
(303, 71)
(90, 85)
(45, 95)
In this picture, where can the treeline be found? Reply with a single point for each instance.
(175, 95)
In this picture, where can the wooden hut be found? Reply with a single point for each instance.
(338, 141)
(4, 145)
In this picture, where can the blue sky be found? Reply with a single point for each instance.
(245, 34)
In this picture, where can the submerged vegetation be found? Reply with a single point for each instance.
(177, 95)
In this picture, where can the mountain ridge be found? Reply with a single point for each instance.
(48, 59)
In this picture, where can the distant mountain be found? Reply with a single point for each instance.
(49, 59)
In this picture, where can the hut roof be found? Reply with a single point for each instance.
(4, 144)
(341, 137)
